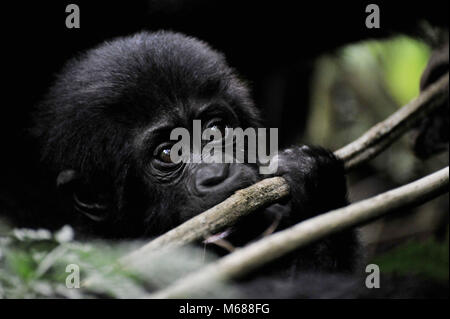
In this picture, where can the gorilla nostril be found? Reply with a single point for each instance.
(211, 174)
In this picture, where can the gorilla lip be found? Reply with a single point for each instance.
(222, 235)
(219, 238)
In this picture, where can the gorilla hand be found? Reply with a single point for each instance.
(316, 179)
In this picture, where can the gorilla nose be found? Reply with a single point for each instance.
(210, 175)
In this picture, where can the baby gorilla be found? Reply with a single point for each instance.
(103, 133)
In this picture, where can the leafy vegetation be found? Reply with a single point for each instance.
(33, 264)
(428, 258)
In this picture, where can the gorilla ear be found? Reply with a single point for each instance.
(91, 203)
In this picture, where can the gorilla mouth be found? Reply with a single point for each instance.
(226, 239)
(218, 236)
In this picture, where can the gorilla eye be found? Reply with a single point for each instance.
(217, 125)
(164, 155)
(161, 157)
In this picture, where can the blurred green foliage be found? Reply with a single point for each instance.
(33, 265)
(428, 258)
(403, 60)
(362, 84)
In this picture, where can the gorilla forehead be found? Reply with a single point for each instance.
(148, 71)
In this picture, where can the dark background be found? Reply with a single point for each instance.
(272, 44)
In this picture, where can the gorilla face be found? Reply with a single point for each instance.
(179, 191)
(104, 133)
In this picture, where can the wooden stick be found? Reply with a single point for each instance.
(269, 248)
(380, 136)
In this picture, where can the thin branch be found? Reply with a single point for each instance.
(267, 191)
(385, 133)
(250, 257)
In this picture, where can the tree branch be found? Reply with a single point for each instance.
(269, 248)
(380, 136)
(267, 191)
